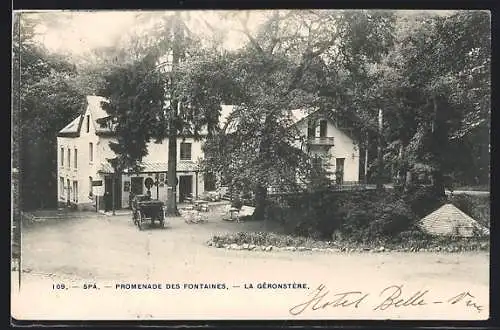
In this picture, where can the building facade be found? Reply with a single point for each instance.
(331, 147)
(85, 175)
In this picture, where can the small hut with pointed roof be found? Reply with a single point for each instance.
(448, 220)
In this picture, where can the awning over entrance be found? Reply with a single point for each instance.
(147, 167)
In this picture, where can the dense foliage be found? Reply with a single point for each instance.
(135, 98)
(409, 241)
(429, 75)
(45, 99)
(366, 216)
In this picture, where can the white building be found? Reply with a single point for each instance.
(84, 173)
(332, 147)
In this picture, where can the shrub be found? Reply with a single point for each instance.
(365, 215)
(393, 218)
(237, 203)
(423, 200)
(477, 206)
(361, 215)
(411, 240)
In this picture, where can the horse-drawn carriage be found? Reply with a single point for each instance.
(144, 209)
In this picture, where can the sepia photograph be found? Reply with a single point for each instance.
(312, 164)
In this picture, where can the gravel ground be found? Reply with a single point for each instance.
(109, 250)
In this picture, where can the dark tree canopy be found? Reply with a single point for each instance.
(46, 99)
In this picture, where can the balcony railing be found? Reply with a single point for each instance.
(325, 141)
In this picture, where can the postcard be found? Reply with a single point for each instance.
(251, 165)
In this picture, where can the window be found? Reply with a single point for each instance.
(90, 186)
(339, 164)
(68, 190)
(62, 156)
(185, 151)
(76, 158)
(69, 157)
(61, 187)
(75, 191)
(322, 128)
(91, 152)
(88, 123)
(311, 129)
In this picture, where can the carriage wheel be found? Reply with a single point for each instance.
(162, 218)
(139, 220)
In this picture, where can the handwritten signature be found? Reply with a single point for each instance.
(390, 297)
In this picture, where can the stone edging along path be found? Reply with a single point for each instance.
(268, 248)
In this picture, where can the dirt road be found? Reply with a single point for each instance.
(112, 254)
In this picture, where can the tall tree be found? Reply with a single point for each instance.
(47, 98)
(164, 95)
(439, 77)
(290, 62)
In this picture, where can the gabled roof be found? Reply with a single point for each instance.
(226, 110)
(96, 113)
(298, 114)
(72, 129)
(449, 220)
(95, 108)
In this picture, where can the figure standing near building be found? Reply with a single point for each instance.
(107, 201)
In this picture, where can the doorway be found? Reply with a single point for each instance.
(68, 192)
(185, 187)
(108, 187)
(136, 186)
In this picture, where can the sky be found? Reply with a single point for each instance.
(86, 30)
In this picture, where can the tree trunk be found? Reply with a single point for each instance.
(438, 183)
(401, 166)
(380, 161)
(172, 129)
(439, 141)
(408, 180)
(260, 203)
(366, 157)
(172, 166)
(113, 192)
(260, 212)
